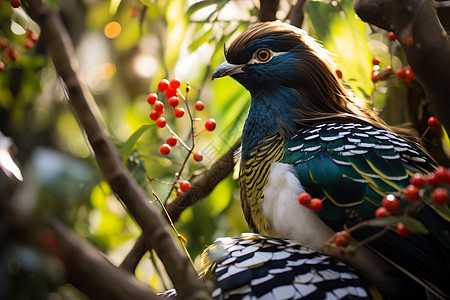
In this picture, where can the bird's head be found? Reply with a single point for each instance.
(274, 56)
(273, 53)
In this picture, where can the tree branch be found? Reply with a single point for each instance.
(155, 230)
(201, 187)
(268, 10)
(92, 273)
(424, 40)
(297, 15)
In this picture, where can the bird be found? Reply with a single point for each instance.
(306, 132)
(253, 266)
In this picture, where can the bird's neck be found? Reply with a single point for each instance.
(271, 111)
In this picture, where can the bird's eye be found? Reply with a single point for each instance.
(263, 55)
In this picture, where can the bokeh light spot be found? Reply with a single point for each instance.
(112, 29)
(107, 70)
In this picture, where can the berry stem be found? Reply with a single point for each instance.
(150, 179)
(189, 149)
(179, 139)
(372, 237)
(173, 227)
(185, 99)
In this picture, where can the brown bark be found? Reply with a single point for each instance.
(297, 13)
(268, 10)
(92, 273)
(424, 40)
(155, 229)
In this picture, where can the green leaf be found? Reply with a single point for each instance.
(113, 6)
(201, 40)
(442, 210)
(202, 4)
(411, 223)
(128, 146)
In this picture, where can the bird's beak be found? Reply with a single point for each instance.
(227, 69)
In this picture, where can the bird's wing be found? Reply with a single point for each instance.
(353, 165)
(259, 267)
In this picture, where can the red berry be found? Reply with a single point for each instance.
(381, 212)
(390, 202)
(339, 74)
(409, 41)
(440, 196)
(374, 77)
(411, 193)
(391, 36)
(400, 73)
(431, 179)
(163, 84)
(198, 156)
(4, 43)
(441, 174)
(199, 105)
(32, 35)
(15, 3)
(170, 92)
(417, 180)
(2, 66)
(375, 61)
(446, 177)
(210, 125)
(161, 112)
(175, 83)
(28, 44)
(11, 54)
(388, 69)
(433, 122)
(185, 185)
(315, 204)
(161, 122)
(174, 101)
(304, 199)
(342, 238)
(402, 230)
(409, 74)
(179, 112)
(158, 106)
(154, 115)
(172, 141)
(164, 149)
(151, 98)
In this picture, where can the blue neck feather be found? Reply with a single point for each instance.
(270, 108)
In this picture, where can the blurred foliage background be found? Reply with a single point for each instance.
(124, 48)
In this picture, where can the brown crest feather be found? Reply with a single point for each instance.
(324, 97)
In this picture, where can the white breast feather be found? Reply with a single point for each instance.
(291, 219)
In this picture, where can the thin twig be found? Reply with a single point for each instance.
(173, 227)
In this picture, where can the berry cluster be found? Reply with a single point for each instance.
(171, 91)
(431, 189)
(10, 51)
(379, 74)
(174, 97)
(314, 204)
